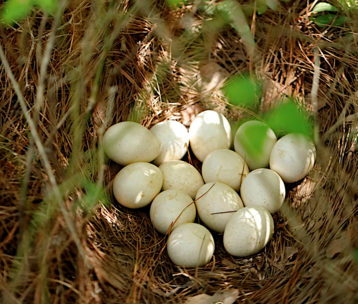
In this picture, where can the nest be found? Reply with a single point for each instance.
(66, 240)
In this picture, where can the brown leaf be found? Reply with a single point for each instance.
(212, 75)
(289, 252)
(334, 248)
(224, 297)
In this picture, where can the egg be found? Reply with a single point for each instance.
(254, 141)
(174, 140)
(190, 245)
(292, 157)
(171, 206)
(180, 175)
(265, 188)
(220, 198)
(129, 142)
(225, 166)
(137, 184)
(209, 131)
(248, 231)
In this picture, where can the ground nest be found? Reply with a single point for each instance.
(66, 78)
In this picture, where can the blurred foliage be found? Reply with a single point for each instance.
(242, 91)
(16, 10)
(253, 139)
(288, 118)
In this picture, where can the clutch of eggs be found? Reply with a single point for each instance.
(179, 194)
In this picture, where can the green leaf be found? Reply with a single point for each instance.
(323, 7)
(327, 19)
(15, 10)
(242, 91)
(48, 6)
(262, 9)
(287, 118)
(341, 20)
(324, 20)
(175, 3)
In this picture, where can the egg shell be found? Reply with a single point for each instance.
(180, 175)
(168, 207)
(174, 141)
(265, 188)
(209, 131)
(248, 231)
(129, 142)
(220, 198)
(254, 141)
(225, 166)
(137, 184)
(292, 157)
(191, 245)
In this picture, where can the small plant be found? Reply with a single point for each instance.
(327, 14)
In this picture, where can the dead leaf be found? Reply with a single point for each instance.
(212, 75)
(222, 297)
(289, 252)
(334, 248)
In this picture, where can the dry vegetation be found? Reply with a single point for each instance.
(101, 62)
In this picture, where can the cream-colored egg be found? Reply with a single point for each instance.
(172, 206)
(248, 231)
(225, 166)
(209, 131)
(129, 142)
(265, 188)
(254, 141)
(180, 175)
(292, 157)
(137, 184)
(190, 245)
(219, 199)
(174, 140)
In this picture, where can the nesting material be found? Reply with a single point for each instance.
(254, 141)
(191, 245)
(292, 157)
(209, 131)
(248, 231)
(225, 166)
(129, 142)
(265, 188)
(174, 141)
(171, 206)
(137, 184)
(180, 175)
(219, 199)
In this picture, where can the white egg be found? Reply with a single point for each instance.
(180, 175)
(265, 188)
(209, 131)
(174, 140)
(129, 142)
(248, 231)
(225, 166)
(137, 184)
(220, 199)
(190, 245)
(254, 141)
(292, 157)
(171, 206)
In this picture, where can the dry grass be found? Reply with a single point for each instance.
(109, 64)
